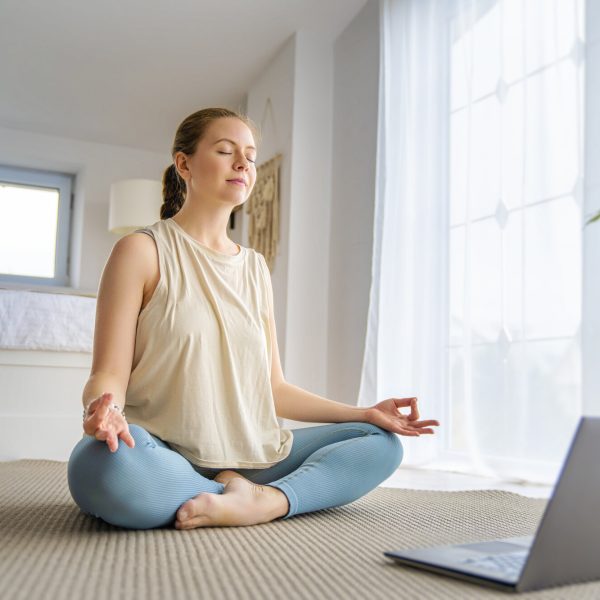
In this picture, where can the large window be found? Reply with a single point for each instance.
(515, 230)
(35, 221)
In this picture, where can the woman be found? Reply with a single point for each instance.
(185, 340)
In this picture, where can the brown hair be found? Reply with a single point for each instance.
(188, 134)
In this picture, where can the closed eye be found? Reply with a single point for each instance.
(221, 152)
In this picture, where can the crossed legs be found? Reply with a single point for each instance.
(145, 486)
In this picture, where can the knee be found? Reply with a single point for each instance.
(389, 446)
(90, 454)
(393, 449)
(100, 480)
(140, 435)
(396, 451)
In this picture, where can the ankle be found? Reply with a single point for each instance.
(282, 506)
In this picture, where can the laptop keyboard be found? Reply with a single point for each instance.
(508, 564)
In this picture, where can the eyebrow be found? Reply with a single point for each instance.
(232, 142)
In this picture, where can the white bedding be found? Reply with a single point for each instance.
(45, 321)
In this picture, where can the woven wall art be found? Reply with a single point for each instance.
(263, 209)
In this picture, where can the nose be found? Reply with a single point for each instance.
(242, 162)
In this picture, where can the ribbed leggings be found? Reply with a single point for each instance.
(143, 487)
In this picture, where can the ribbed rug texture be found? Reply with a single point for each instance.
(49, 549)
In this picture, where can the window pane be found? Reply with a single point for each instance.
(484, 154)
(512, 276)
(486, 53)
(552, 132)
(513, 142)
(512, 40)
(551, 27)
(514, 392)
(553, 268)
(457, 284)
(459, 148)
(543, 378)
(485, 281)
(492, 411)
(28, 230)
(459, 417)
(460, 67)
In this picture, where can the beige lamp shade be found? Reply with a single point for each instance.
(134, 203)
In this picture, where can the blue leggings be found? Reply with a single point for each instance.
(143, 487)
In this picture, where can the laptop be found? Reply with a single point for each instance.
(565, 547)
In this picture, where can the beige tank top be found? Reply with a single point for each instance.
(200, 376)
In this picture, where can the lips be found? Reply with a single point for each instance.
(240, 181)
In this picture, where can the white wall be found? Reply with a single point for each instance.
(277, 84)
(591, 240)
(96, 166)
(299, 85)
(355, 108)
(310, 207)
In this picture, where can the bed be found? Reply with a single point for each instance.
(45, 359)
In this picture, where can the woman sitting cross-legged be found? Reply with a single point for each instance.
(185, 346)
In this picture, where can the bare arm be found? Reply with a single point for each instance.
(98, 383)
(120, 295)
(292, 402)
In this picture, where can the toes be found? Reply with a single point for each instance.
(192, 523)
(184, 512)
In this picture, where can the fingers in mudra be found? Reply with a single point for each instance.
(388, 415)
(405, 403)
(109, 425)
(419, 427)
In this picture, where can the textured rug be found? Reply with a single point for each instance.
(49, 549)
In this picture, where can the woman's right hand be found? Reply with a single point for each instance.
(106, 424)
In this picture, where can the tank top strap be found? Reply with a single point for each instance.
(145, 230)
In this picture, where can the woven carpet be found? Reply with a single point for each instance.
(50, 549)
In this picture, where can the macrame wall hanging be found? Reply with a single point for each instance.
(263, 209)
(262, 206)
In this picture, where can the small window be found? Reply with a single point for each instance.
(35, 226)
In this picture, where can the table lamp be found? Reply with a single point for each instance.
(134, 203)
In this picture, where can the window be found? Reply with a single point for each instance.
(515, 231)
(35, 221)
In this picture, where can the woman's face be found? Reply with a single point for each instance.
(225, 153)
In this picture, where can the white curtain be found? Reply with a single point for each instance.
(475, 303)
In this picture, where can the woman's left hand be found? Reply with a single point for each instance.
(387, 415)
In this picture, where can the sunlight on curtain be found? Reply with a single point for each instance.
(477, 267)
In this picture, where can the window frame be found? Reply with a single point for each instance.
(64, 183)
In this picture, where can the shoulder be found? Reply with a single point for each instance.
(255, 256)
(135, 243)
(138, 250)
(257, 260)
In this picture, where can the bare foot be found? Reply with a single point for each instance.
(241, 503)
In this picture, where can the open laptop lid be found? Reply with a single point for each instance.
(566, 546)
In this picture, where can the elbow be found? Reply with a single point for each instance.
(276, 386)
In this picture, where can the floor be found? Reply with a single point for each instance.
(426, 479)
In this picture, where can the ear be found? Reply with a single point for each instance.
(181, 165)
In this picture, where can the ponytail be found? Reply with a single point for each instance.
(173, 195)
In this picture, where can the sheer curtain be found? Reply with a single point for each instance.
(475, 303)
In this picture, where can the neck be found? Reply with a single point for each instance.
(205, 223)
